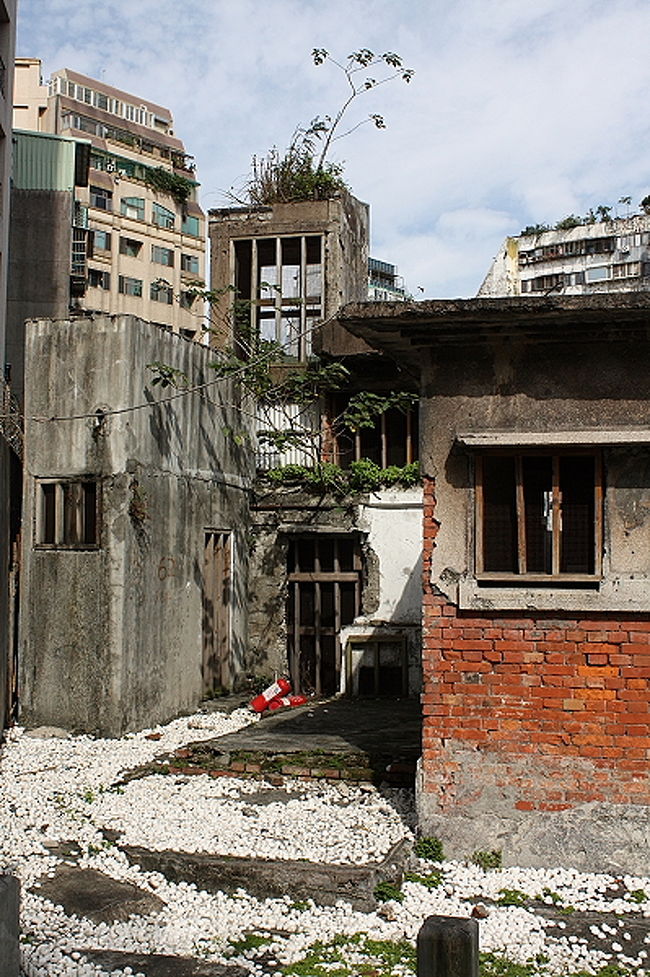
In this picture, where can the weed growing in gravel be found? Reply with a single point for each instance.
(429, 848)
(355, 956)
(637, 895)
(251, 941)
(513, 897)
(430, 881)
(487, 859)
(555, 897)
(385, 891)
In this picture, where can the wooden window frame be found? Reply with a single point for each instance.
(556, 575)
(70, 501)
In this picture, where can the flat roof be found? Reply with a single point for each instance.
(404, 329)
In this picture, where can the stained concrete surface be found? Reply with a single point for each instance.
(161, 965)
(378, 727)
(85, 892)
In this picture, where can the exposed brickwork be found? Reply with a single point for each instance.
(557, 708)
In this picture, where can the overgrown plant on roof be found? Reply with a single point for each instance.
(303, 171)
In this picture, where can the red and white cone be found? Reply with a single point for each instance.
(284, 701)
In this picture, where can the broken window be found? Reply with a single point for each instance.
(538, 516)
(67, 514)
(282, 279)
(324, 577)
(393, 439)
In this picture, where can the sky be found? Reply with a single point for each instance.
(518, 112)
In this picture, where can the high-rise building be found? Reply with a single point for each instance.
(384, 284)
(138, 232)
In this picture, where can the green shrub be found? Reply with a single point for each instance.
(429, 848)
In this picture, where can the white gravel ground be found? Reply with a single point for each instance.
(57, 789)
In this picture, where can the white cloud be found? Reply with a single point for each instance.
(518, 113)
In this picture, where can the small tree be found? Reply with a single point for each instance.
(303, 171)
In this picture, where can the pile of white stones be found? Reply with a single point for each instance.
(63, 789)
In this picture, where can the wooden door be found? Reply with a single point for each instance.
(217, 595)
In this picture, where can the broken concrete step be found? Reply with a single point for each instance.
(161, 964)
(86, 892)
(272, 878)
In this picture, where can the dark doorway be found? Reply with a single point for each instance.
(324, 575)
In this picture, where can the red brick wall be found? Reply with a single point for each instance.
(557, 708)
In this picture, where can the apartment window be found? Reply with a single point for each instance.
(130, 286)
(282, 279)
(162, 256)
(191, 226)
(162, 217)
(627, 269)
(79, 250)
(161, 292)
(538, 517)
(99, 279)
(130, 247)
(101, 101)
(190, 263)
(101, 241)
(100, 198)
(599, 274)
(132, 207)
(67, 514)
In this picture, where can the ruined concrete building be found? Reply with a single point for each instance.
(612, 256)
(334, 590)
(135, 522)
(536, 547)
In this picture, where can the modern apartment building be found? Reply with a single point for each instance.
(384, 284)
(609, 256)
(138, 232)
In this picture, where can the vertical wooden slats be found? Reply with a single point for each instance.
(522, 562)
(557, 517)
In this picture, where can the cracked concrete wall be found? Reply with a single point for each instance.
(111, 637)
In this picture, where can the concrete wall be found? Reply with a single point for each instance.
(387, 526)
(117, 640)
(536, 717)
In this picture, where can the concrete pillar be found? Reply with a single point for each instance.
(448, 947)
(9, 925)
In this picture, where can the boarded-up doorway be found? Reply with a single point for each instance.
(217, 595)
(324, 576)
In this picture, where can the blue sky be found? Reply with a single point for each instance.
(519, 112)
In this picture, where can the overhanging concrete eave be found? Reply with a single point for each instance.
(405, 330)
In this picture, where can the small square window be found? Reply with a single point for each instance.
(67, 514)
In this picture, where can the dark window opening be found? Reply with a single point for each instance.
(539, 515)
(67, 514)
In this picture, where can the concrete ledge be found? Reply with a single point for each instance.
(272, 878)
